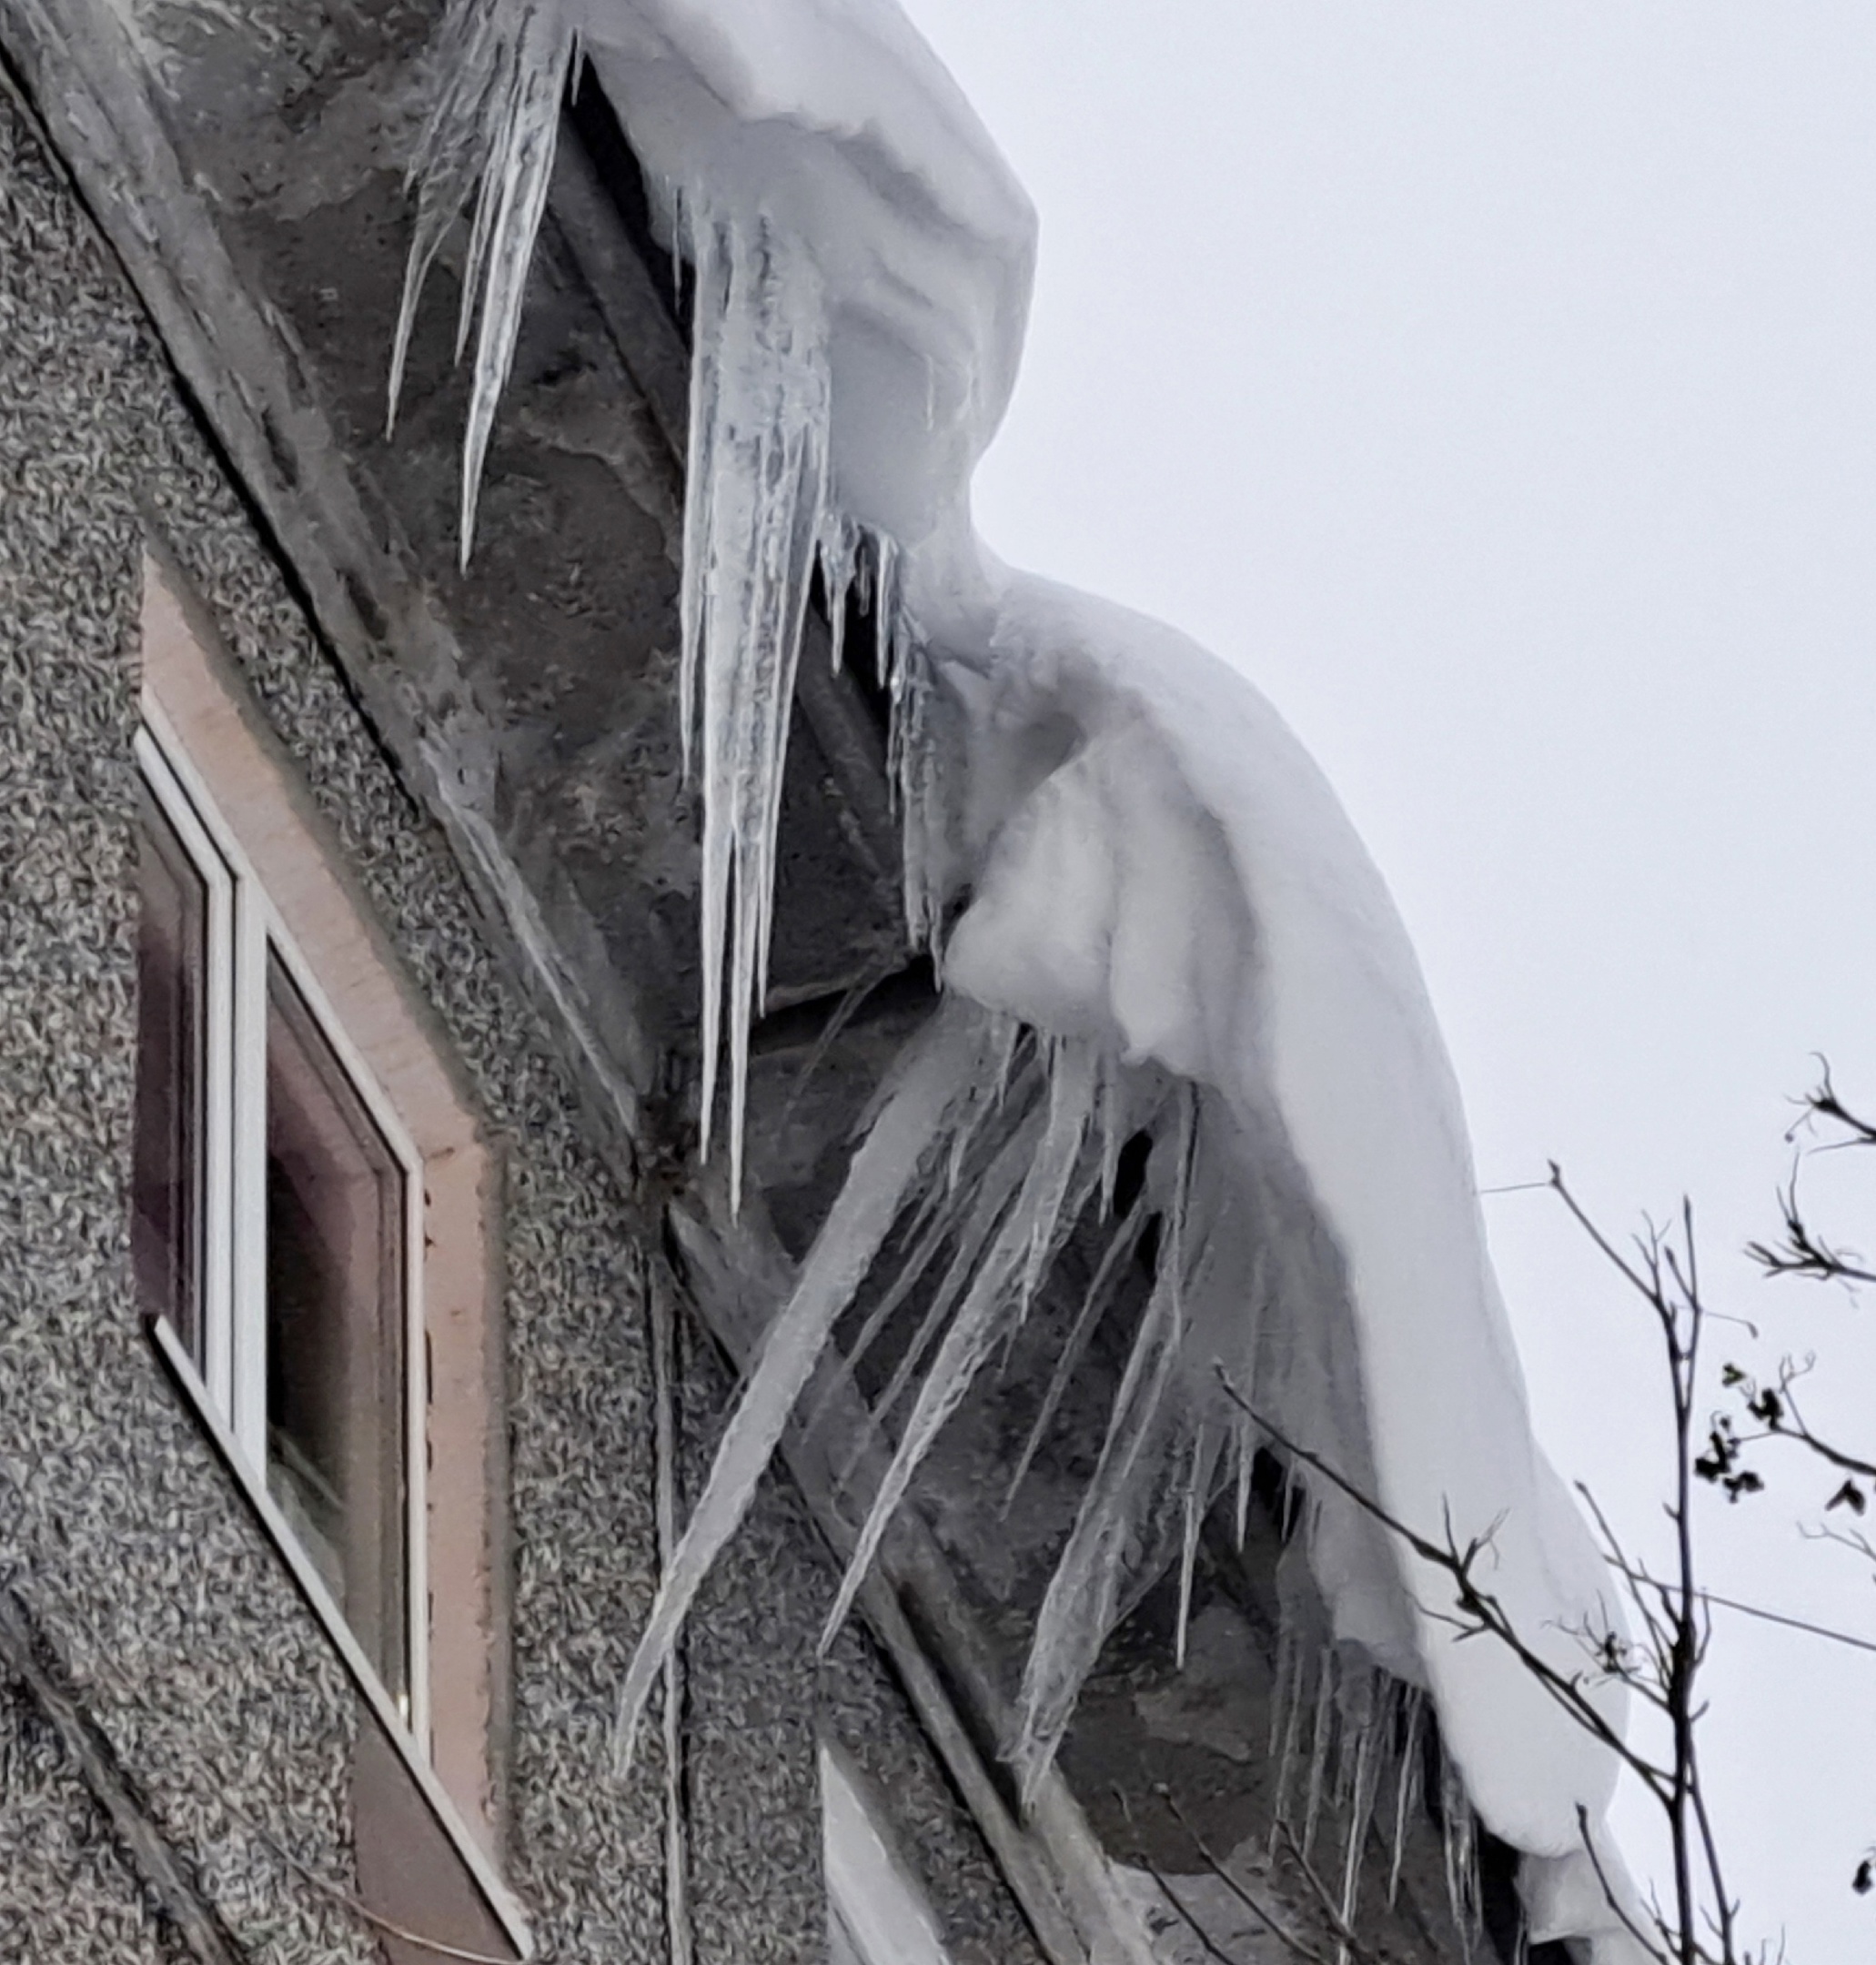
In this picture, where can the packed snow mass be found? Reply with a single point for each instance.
(1151, 918)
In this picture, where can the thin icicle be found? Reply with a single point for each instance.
(1282, 1813)
(1459, 1853)
(1247, 1451)
(1364, 1787)
(851, 1001)
(839, 553)
(903, 673)
(949, 1055)
(677, 1852)
(1198, 1477)
(1008, 1038)
(1107, 1276)
(1115, 1111)
(1407, 1784)
(1320, 1737)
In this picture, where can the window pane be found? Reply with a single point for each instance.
(335, 1331)
(172, 960)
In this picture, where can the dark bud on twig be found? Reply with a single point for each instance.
(1849, 1495)
(1768, 1408)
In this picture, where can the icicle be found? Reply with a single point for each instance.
(850, 1006)
(1407, 1783)
(1292, 1705)
(677, 1858)
(674, 200)
(1363, 1726)
(1197, 1478)
(1247, 1444)
(491, 133)
(839, 550)
(755, 514)
(1107, 1275)
(1078, 1610)
(1115, 1109)
(1008, 1037)
(1320, 1740)
(1074, 1086)
(904, 675)
(1457, 1849)
(951, 1053)
(1175, 1217)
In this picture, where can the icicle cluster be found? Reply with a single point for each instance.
(1359, 1767)
(991, 1145)
(759, 521)
(759, 517)
(991, 1141)
(756, 511)
(503, 66)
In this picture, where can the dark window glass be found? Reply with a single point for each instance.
(172, 959)
(335, 1334)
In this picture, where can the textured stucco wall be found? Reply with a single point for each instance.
(167, 1610)
(169, 1615)
(66, 1890)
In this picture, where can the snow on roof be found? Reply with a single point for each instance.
(1170, 897)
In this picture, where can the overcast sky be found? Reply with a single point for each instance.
(1497, 386)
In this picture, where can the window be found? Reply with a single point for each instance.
(279, 1223)
(312, 1217)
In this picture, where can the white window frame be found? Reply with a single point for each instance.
(244, 928)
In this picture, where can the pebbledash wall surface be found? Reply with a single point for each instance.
(183, 1757)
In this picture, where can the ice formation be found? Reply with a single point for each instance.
(1152, 917)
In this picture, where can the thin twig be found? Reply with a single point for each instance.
(1613, 1899)
(340, 1896)
(1776, 1617)
(1236, 1889)
(1197, 1929)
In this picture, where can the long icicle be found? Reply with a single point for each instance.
(755, 516)
(949, 1055)
(1407, 1787)
(1197, 1479)
(1124, 1240)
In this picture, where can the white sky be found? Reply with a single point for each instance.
(1497, 385)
